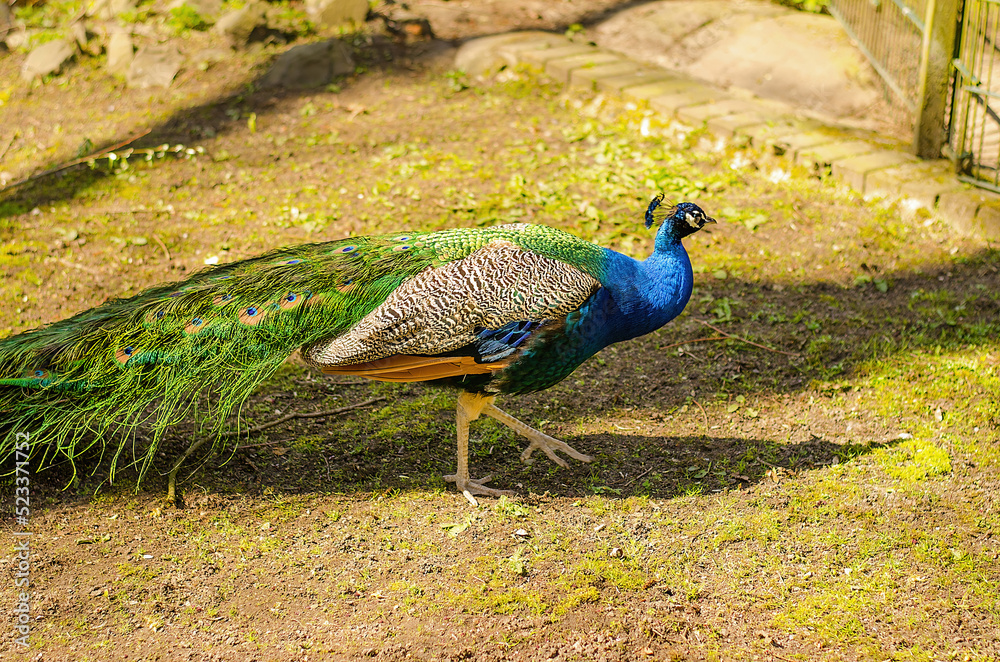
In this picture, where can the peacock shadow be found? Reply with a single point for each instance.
(623, 466)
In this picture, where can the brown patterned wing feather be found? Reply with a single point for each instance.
(439, 310)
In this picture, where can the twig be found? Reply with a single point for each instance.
(10, 142)
(632, 480)
(749, 342)
(166, 253)
(703, 413)
(688, 342)
(172, 476)
(74, 162)
(288, 417)
(67, 263)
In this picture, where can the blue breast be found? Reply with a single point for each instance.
(635, 299)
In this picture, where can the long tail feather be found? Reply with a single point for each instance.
(90, 380)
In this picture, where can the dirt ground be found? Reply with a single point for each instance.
(802, 466)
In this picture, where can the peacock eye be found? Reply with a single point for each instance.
(291, 297)
(251, 311)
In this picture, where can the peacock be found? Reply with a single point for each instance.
(507, 309)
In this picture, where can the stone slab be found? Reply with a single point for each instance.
(668, 104)
(928, 190)
(703, 113)
(588, 77)
(514, 48)
(559, 69)
(794, 142)
(891, 180)
(767, 136)
(648, 91)
(729, 126)
(959, 207)
(641, 77)
(823, 155)
(540, 57)
(986, 224)
(855, 170)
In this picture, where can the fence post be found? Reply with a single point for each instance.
(936, 55)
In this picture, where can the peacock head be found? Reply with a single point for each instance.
(678, 220)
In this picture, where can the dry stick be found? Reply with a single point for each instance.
(9, 143)
(632, 480)
(172, 476)
(288, 417)
(67, 263)
(749, 342)
(703, 413)
(163, 246)
(688, 342)
(74, 162)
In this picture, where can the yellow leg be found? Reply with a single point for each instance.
(470, 406)
(548, 445)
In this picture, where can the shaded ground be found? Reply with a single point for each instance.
(829, 492)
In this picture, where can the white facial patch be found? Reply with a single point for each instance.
(692, 220)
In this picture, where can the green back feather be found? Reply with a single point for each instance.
(94, 377)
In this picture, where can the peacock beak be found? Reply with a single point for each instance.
(709, 219)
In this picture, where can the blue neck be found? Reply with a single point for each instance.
(647, 294)
(635, 298)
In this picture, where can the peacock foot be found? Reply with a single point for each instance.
(539, 440)
(549, 446)
(471, 486)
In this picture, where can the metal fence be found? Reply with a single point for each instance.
(941, 58)
(891, 34)
(975, 100)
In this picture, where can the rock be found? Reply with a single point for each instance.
(6, 22)
(109, 9)
(337, 12)
(482, 57)
(310, 65)
(120, 52)
(119, 7)
(99, 8)
(209, 10)
(209, 56)
(16, 38)
(237, 25)
(79, 33)
(47, 59)
(154, 66)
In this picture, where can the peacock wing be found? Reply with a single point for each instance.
(500, 286)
